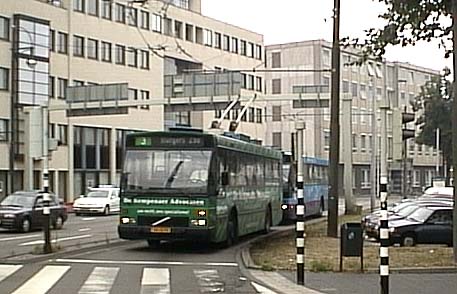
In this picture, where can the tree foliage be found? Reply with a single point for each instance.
(434, 107)
(406, 23)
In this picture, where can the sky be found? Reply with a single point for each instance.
(287, 21)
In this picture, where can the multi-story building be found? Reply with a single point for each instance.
(303, 68)
(47, 46)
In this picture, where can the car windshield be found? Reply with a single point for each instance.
(167, 169)
(407, 210)
(421, 214)
(19, 200)
(98, 194)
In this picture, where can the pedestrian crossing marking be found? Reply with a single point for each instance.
(7, 270)
(100, 280)
(42, 281)
(209, 281)
(155, 281)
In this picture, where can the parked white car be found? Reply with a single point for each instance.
(104, 200)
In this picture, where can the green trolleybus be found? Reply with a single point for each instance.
(190, 185)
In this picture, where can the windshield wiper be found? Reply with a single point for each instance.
(173, 173)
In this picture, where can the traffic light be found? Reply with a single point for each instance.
(400, 132)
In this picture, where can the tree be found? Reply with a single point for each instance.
(434, 107)
(407, 22)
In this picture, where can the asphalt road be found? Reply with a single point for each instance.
(133, 268)
(77, 231)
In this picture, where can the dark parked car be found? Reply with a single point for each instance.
(23, 211)
(426, 225)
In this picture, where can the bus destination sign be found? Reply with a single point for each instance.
(169, 142)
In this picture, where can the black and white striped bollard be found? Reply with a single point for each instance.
(384, 238)
(300, 209)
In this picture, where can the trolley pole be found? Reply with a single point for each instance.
(300, 226)
(46, 197)
(384, 226)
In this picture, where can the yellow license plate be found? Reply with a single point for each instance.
(163, 230)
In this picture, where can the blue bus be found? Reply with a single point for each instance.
(315, 186)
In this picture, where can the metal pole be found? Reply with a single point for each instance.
(46, 197)
(332, 224)
(347, 155)
(374, 149)
(437, 152)
(384, 227)
(300, 225)
(454, 124)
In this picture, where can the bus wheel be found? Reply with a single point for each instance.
(267, 221)
(232, 231)
(153, 243)
(321, 207)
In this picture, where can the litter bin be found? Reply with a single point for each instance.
(351, 239)
(351, 242)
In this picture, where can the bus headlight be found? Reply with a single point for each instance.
(284, 207)
(201, 212)
(198, 222)
(127, 220)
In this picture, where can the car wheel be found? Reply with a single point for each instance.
(408, 240)
(321, 207)
(26, 225)
(106, 210)
(58, 223)
(153, 243)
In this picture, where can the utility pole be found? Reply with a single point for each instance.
(300, 226)
(46, 197)
(454, 123)
(349, 204)
(332, 224)
(374, 148)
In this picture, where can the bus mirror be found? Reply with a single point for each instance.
(225, 178)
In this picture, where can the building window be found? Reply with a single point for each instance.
(107, 9)
(250, 50)
(354, 142)
(3, 130)
(51, 90)
(258, 52)
(119, 13)
(4, 78)
(178, 33)
(277, 140)
(132, 58)
(258, 84)
(63, 43)
(276, 60)
(363, 142)
(92, 7)
(119, 57)
(251, 114)
(327, 140)
(189, 32)
(63, 83)
(144, 59)
(52, 40)
(354, 89)
(105, 51)
(132, 17)
(276, 86)
(133, 94)
(276, 113)
(78, 5)
(250, 85)
(226, 43)
(168, 26)
(144, 20)
(63, 135)
(92, 49)
(326, 57)
(234, 45)
(243, 47)
(207, 37)
(366, 180)
(157, 23)
(217, 40)
(4, 28)
(363, 91)
(363, 118)
(258, 116)
(78, 83)
(345, 87)
(78, 46)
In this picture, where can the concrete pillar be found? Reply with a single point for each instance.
(71, 171)
(112, 156)
(56, 184)
(347, 154)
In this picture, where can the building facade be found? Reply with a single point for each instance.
(49, 46)
(303, 69)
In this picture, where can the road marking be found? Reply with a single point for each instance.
(209, 281)
(19, 237)
(84, 229)
(100, 280)
(144, 262)
(155, 280)
(88, 218)
(261, 289)
(42, 281)
(38, 242)
(8, 269)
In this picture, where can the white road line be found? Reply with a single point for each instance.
(144, 262)
(84, 229)
(8, 269)
(38, 242)
(155, 281)
(19, 237)
(42, 281)
(100, 280)
(261, 289)
(209, 281)
(88, 218)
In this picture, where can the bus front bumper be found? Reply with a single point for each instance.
(132, 232)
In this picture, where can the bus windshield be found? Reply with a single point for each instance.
(167, 169)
